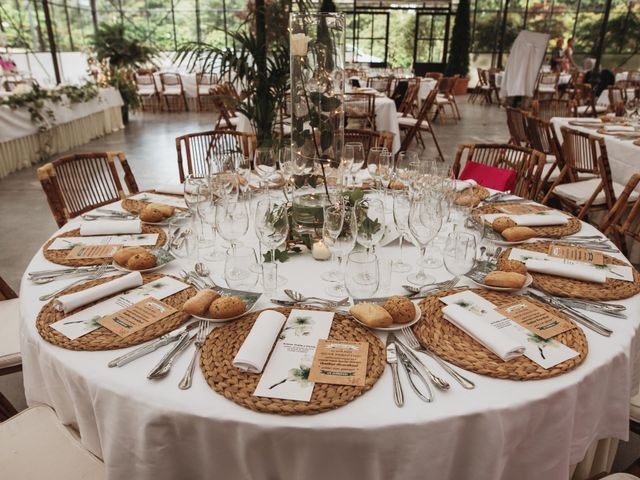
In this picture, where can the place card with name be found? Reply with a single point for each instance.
(137, 316)
(147, 197)
(535, 319)
(581, 255)
(128, 240)
(86, 321)
(286, 375)
(340, 363)
(92, 251)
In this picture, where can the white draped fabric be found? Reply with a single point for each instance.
(502, 430)
(523, 64)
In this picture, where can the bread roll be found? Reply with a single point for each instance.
(401, 309)
(141, 261)
(500, 224)
(200, 302)
(227, 307)
(151, 214)
(512, 266)
(396, 184)
(123, 255)
(518, 234)
(505, 279)
(467, 200)
(372, 315)
(167, 210)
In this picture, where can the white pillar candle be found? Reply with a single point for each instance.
(319, 251)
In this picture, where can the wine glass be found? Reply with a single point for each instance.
(425, 221)
(242, 166)
(232, 220)
(272, 225)
(333, 215)
(341, 246)
(362, 275)
(287, 166)
(401, 205)
(406, 164)
(192, 193)
(348, 154)
(371, 222)
(375, 164)
(264, 163)
(386, 169)
(459, 253)
(207, 217)
(240, 268)
(358, 159)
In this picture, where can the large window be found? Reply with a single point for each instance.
(367, 37)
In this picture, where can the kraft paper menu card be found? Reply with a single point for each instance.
(86, 321)
(519, 208)
(535, 319)
(286, 375)
(137, 316)
(159, 198)
(340, 363)
(582, 255)
(135, 240)
(614, 272)
(546, 352)
(92, 251)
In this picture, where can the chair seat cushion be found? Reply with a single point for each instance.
(204, 89)
(546, 88)
(172, 90)
(488, 176)
(34, 444)
(582, 109)
(9, 333)
(407, 121)
(146, 90)
(580, 192)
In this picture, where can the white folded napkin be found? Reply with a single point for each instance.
(585, 272)
(464, 184)
(589, 120)
(531, 219)
(67, 303)
(618, 128)
(485, 333)
(171, 188)
(110, 227)
(255, 349)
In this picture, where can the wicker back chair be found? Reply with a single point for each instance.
(78, 183)
(172, 89)
(196, 150)
(552, 107)
(381, 84)
(516, 121)
(413, 127)
(585, 103)
(147, 91)
(617, 95)
(369, 139)
(361, 108)
(622, 220)
(477, 90)
(542, 137)
(527, 163)
(547, 85)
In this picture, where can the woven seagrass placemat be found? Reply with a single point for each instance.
(569, 287)
(60, 256)
(135, 206)
(455, 346)
(223, 343)
(101, 338)
(551, 231)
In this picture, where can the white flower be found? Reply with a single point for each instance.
(22, 89)
(3, 39)
(299, 44)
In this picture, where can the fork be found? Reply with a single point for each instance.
(434, 286)
(93, 276)
(412, 342)
(185, 383)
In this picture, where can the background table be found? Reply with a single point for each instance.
(75, 124)
(500, 431)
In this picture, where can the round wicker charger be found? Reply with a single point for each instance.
(136, 206)
(552, 231)
(223, 343)
(569, 287)
(636, 142)
(103, 339)
(60, 256)
(455, 346)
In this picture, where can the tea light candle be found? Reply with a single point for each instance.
(319, 251)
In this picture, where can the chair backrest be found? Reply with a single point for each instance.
(622, 220)
(369, 139)
(360, 105)
(542, 137)
(170, 80)
(447, 85)
(616, 95)
(517, 126)
(206, 79)
(423, 116)
(524, 161)
(6, 292)
(78, 183)
(434, 75)
(197, 150)
(410, 97)
(381, 84)
(633, 79)
(548, 108)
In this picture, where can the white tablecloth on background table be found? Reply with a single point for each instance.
(562, 80)
(603, 99)
(502, 430)
(426, 85)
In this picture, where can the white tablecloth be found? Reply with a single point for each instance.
(17, 123)
(562, 80)
(603, 99)
(502, 430)
(426, 85)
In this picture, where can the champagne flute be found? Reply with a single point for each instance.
(207, 215)
(331, 227)
(272, 226)
(425, 221)
(358, 159)
(346, 163)
(341, 246)
(242, 166)
(264, 163)
(286, 163)
(460, 253)
(362, 275)
(406, 164)
(375, 164)
(401, 206)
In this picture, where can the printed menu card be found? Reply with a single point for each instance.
(86, 321)
(340, 363)
(546, 352)
(286, 375)
(92, 251)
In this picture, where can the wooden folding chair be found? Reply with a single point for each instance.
(172, 88)
(369, 139)
(413, 127)
(197, 150)
(547, 85)
(410, 99)
(204, 82)
(225, 100)
(516, 122)
(617, 96)
(622, 222)
(548, 108)
(360, 110)
(585, 103)
(542, 137)
(476, 91)
(446, 98)
(381, 84)
(147, 91)
(78, 183)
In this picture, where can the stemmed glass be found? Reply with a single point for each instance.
(287, 165)
(196, 191)
(377, 163)
(362, 275)
(240, 268)
(206, 211)
(242, 166)
(406, 165)
(264, 163)
(333, 216)
(232, 220)
(272, 225)
(348, 154)
(371, 222)
(339, 241)
(401, 206)
(460, 252)
(358, 159)
(425, 221)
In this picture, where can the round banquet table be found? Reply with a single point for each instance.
(501, 430)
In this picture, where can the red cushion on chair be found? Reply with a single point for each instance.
(501, 179)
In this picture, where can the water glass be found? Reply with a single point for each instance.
(460, 253)
(264, 163)
(240, 268)
(193, 191)
(385, 269)
(269, 277)
(362, 275)
(425, 221)
(401, 205)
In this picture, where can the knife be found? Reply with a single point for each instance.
(392, 360)
(411, 371)
(164, 365)
(151, 347)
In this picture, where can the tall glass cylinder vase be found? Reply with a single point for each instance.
(317, 86)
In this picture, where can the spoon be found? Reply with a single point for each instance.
(204, 272)
(298, 297)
